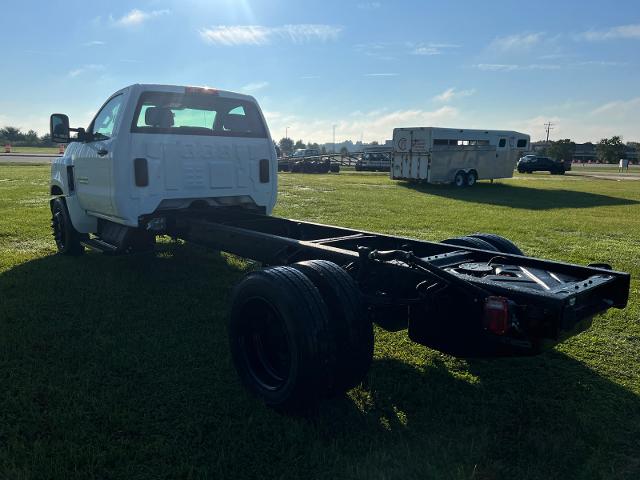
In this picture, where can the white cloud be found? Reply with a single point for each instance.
(451, 93)
(94, 43)
(391, 50)
(254, 86)
(374, 125)
(231, 35)
(137, 17)
(501, 67)
(599, 63)
(92, 67)
(618, 108)
(432, 48)
(631, 31)
(384, 74)
(516, 42)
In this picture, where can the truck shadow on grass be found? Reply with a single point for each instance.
(516, 196)
(548, 416)
(119, 367)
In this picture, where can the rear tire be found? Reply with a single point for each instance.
(66, 237)
(502, 244)
(470, 242)
(280, 338)
(351, 328)
(472, 178)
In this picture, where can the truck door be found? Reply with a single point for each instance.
(94, 161)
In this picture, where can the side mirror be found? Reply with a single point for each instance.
(59, 128)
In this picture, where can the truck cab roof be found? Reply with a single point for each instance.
(181, 89)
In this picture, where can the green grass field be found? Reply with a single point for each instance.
(32, 149)
(118, 367)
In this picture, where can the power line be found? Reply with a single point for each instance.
(548, 127)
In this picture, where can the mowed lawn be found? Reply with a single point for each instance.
(32, 149)
(118, 367)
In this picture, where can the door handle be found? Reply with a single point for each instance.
(102, 152)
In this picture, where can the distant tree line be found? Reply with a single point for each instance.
(608, 150)
(287, 146)
(18, 138)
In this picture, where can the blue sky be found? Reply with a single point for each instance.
(364, 66)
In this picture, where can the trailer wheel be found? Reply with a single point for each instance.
(502, 244)
(460, 179)
(280, 340)
(471, 242)
(349, 323)
(472, 178)
(66, 237)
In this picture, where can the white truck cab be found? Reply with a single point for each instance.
(155, 148)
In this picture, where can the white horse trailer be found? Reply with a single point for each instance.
(452, 155)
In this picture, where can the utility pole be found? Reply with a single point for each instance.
(286, 132)
(548, 127)
(334, 138)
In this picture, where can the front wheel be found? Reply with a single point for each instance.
(66, 237)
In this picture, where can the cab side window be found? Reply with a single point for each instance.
(104, 123)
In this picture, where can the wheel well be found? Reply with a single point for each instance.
(56, 190)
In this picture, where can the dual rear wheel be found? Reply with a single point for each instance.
(486, 241)
(299, 333)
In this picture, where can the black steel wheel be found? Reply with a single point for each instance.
(502, 244)
(470, 242)
(350, 326)
(460, 179)
(66, 237)
(281, 343)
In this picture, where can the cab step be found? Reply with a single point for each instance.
(99, 245)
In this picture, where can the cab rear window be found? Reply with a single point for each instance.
(197, 114)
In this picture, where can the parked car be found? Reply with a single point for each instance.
(537, 163)
(306, 152)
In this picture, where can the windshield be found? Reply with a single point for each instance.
(197, 114)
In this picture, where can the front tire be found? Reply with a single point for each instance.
(460, 179)
(66, 237)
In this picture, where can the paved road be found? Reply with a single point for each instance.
(28, 158)
(606, 176)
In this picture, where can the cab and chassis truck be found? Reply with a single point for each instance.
(198, 164)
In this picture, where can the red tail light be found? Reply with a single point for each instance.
(496, 315)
